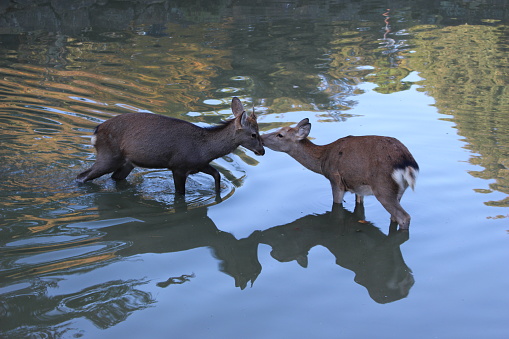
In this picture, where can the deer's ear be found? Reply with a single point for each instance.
(303, 129)
(237, 107)
(303, 122)
(241, 121)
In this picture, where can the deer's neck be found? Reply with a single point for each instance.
(309, 155)
(220, 140)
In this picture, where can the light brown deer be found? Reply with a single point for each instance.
(364, 165)
(157, 141)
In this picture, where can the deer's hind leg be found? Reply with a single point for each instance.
(106, 162)
(390, 201)
(122, 172)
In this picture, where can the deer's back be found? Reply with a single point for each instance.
(150, 140)
(363, 159)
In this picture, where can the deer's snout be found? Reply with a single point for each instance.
(260, 151)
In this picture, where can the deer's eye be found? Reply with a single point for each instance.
(279, 135)
(253, 136)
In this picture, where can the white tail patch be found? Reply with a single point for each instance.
(93, 139)
(405, 177)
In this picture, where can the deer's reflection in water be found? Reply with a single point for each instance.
(180, 229)
(357, 245)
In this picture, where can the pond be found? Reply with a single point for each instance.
(273, 258)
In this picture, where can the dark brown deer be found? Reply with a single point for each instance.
(157, 141)
(364, 165)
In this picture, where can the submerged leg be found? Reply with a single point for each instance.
(101, 167)
(359, 208)
(215, 174)
(122, 172)
(359, 199)
(338, 191)
(107, 160)
(392, 205)
(179, 179)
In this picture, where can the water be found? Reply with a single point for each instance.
(273, 259)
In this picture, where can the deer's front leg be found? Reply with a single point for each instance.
(338, 189)
(179, 179)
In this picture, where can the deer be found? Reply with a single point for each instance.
(150, 140)
(365, 165)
